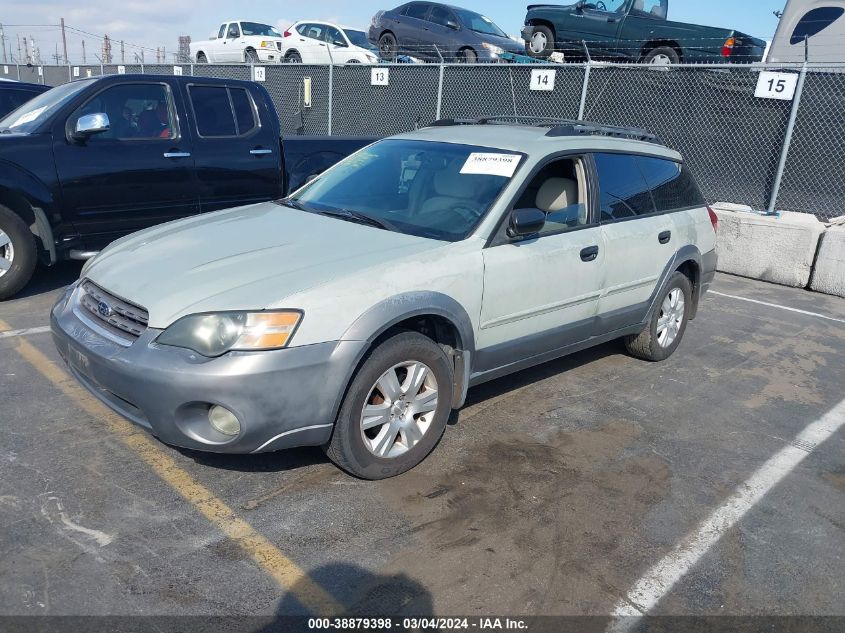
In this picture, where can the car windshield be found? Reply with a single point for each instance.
(34, 112)
(479, 23)
(254, 28)
(359, 38)
(423, 188)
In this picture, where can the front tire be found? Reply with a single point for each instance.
(395, 410)
(668, 323)
(467, 56)
(18, 253)
(250, 56)
(542, 42)
(293, 58)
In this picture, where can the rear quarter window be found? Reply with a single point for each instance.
(623, 191)
(222, 111)
(672, 186)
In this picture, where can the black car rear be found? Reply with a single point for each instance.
(439, 32)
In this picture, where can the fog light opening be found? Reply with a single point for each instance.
(223, 420)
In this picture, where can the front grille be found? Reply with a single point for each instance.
(120, 318)
(279, 45)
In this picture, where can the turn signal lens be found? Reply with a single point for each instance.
(267, 330)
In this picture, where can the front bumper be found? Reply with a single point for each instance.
(269, 55)
(282, 398)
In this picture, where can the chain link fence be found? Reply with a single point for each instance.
(736, 143)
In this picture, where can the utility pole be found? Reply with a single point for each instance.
(64, 42)
(122, 53)
(19, 47)
(56, 57)
(83, 52)
(3, 43)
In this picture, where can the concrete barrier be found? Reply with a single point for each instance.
(829, 271)
(778, 249)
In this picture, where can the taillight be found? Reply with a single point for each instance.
(728, 47)
(714, 219)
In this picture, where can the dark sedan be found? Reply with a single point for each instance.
(13, 94)
(439, 32)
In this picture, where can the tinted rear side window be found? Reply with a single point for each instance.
(418, 11)
(217, 115)
(623, 191)
(814, 22)
(672, 186)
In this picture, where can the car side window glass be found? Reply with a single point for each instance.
(234, 30)
(213, 111)
(559, 190)
(332, 35)
(650, 8)
(672, 186)
(135, 111)
(221, 32)
(13, 99)
(815, 21)
(441, 16)
(244, 111)
(623, 191)
(418, 11)
(610, 6)
(314, 31)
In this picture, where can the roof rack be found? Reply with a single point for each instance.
(559, 127)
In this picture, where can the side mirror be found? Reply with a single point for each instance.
(90, 124)
(525, 222)
(453, 25)
(311, 178)
(341, 43)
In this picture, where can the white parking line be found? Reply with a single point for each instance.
(775, 305)
(659, 580)
(25, 332)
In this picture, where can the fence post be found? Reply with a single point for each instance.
(584, 87)
(787, 141)
(331, 95)
(440, 90)
(18, 68)
(69, 73)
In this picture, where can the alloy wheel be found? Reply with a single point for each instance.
(399, 409)
(7, 253)
(671, 318)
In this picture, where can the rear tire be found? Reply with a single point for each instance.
(542, 43)
(388, 46)
(18, 253)
(201, 58)
(379, 434)
(662, 56)
(668, 323)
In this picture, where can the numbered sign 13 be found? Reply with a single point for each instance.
(380, 77)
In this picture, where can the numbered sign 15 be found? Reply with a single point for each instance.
(771, 85)
(380, 77)
(543, 79)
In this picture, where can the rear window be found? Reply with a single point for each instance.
(222, 111)
(814, 22)
(672, 186)
(623, 190)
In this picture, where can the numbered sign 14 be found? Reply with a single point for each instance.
(380, 77)
(543, 79)
(772, 85)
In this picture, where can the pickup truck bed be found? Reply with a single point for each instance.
(91, 161)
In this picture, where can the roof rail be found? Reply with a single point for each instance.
(558, 127)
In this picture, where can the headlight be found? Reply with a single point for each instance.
(216, 334)
(267, 45)
(372, 58)
(496, 50)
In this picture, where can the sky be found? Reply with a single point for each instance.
(158, 23)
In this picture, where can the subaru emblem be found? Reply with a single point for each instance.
(104, 309)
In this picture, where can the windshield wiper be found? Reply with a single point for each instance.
(360, 218)
(293, 204)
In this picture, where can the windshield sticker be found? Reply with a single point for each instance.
(29, 116)
(491, 164)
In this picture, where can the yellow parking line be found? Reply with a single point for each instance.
(282, 569)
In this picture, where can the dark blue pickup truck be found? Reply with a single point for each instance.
(96, 159)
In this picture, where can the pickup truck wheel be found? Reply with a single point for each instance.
(668, 323)
(396, 408)
(201, 58)
(542, 42)
(293, 58)
(388, 47)
(250, 56)
(18, 253)
(662, 56)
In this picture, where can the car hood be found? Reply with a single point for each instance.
(247, 258)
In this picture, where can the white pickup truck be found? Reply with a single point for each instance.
(239, 41)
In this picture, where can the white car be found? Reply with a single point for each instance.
(356, 313)
(315, 42)
(239, 41)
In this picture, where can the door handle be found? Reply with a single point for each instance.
(177, 154)
(589, 254)
(612, 20)
(260, 152)
(664, 237)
